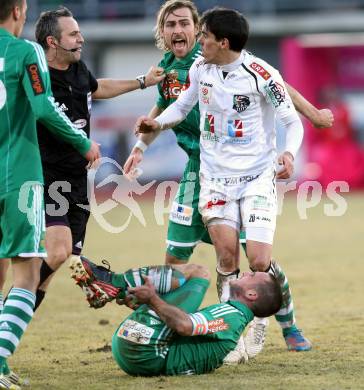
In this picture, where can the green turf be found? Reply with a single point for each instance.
(67, 345)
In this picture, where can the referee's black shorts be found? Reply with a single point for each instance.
(68, 208)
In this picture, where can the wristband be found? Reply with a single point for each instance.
(141, 145)
(141, 80)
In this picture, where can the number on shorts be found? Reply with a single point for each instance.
(2, 86)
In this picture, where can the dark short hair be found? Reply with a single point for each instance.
(47, 25)
(269, 298)
(229, 24)
(6, 6)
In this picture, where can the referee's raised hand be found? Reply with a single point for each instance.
(154, 76)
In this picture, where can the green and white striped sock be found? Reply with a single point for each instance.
(4, 369)
(14, 319)
(285, 315)
(164, 278)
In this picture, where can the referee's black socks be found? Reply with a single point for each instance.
(45, 272)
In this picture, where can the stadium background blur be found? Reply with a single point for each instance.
(318, 45)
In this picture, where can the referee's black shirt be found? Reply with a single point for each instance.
(72, 90)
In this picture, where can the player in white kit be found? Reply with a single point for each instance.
(239, 97)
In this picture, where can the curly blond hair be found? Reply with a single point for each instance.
(166, 9)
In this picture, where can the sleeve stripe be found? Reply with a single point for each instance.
(199, 324)
(40, 54)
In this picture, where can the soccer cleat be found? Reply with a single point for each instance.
(296, 341)
(16, 379)
(237, 355)
(95, 281)
(255, 336)
(6, 384)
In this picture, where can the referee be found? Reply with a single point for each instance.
(65, 175)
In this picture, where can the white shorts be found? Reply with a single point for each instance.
(250, 202)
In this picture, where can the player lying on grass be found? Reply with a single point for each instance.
(168, 334)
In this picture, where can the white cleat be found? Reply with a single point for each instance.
(255, 336)
(6, 384)
(237, 355)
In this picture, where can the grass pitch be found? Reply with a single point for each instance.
(67, 345)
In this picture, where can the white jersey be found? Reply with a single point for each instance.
(238, 103)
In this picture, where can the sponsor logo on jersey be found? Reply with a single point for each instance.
(235, 128)
(181, 214)
(260, 70)
(203, 83)
(171, 85)
(209, 123)
(240, 103)
(80, 123)
(206, 136)
(135, 332)
(217, 325)
(275, 92)
(35, 79)
(206, 93)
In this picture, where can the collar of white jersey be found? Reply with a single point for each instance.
(233, 65)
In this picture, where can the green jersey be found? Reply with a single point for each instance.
(25, 96)
(144, 345)
(217, 329)
(188, 131)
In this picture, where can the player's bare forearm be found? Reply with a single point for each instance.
(175, 318)
(109, 88)
(319, 118)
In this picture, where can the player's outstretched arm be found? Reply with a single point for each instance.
(144, 140)
(319, 118)
(175, 318)
(109, 88)
(147, 125)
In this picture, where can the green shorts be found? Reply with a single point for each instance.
(185, 228)
(22, 223)
(141, 343)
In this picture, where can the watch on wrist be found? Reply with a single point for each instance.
(141, 80)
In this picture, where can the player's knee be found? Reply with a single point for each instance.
(259, 262)
(178, 255)
(200, 271)
(58, 255)
(172, 260)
